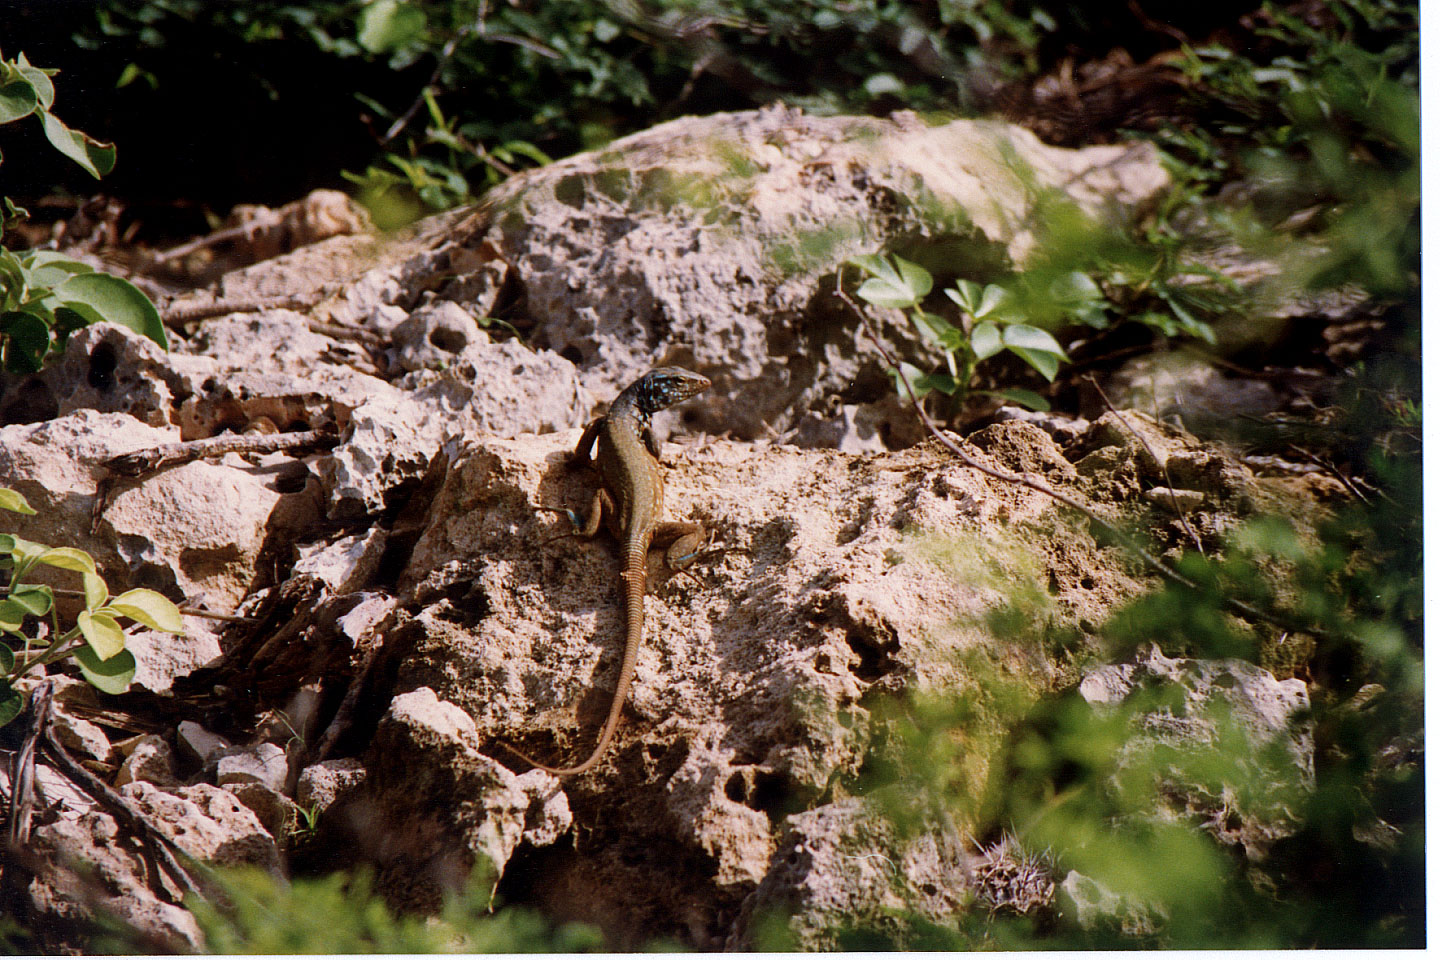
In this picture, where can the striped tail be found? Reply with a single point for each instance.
(632, 580)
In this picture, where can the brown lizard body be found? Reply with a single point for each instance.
(630, 503)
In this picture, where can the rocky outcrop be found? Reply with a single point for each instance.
(410, 613)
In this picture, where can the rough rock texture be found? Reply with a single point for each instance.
(834, 866)
(322, 784)
(118, 883)
(410, 618)
(195, 531)
(1255, 812)
(465, 811)
(710, 242)
(518, 642)
(207, 823)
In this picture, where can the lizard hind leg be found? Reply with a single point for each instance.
(590, 525)
(683, 542)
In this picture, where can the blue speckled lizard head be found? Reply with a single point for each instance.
(662, 387)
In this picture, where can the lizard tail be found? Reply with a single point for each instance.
(633, 580)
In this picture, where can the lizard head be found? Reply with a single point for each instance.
(664, 387)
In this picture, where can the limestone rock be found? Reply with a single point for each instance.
(198, 743)
(195, 530)
(263, 763)
(464, 811)
(321, 784)
(208, 823)
(1252, 814)
(148, 758)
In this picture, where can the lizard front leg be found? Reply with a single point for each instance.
(601, 506)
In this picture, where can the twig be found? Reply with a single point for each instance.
(344, 715)
(402, 121)
(22, 769)
(149, 459)
(132, 819)
(1333, 470)
(1164, 466)
(1155, 563)
(137, 463)
(176, 315)
(187, 611)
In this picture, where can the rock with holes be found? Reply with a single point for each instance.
(714, 242)
(147, 757)
(750, 681)
(321, 784)
(208, 823)
(118, 880)
(194, 531)
(432, 336)
(502, 389)
(106, 368)
(1209, 705)
(466, 812)
(841, 864)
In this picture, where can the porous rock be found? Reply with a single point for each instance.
(195, 530)
(149, 757)
(1251, 815)
(263, 763)
(208, 823)
(321, 784)
(464, 811)
(707, 241)
(522, 641)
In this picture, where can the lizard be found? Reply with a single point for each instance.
(630, 501)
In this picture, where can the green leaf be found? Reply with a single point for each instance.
(40, 80)
(1026, 398)
(24, 338)
(149, 608)
(387, 25)
(908, 373)
(102, 633)
(34, 600)
(1026, 337)
(1047, 363)
(899, 284)
(116, 300)
(7, 659)
(12, 214)
(943, 382)
(108, 676)
(936, 329)
(967, 294)
(95, 590)
(1075, 288)
(20, 548)
(68, 558)
(13, 501)
(992, 300)
(97, 158)
(48, 269)
(11, 702)
(916, 277)
(11, 615)
(985, 340)
(17, 99)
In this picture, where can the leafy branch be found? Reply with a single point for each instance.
(96, 640)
